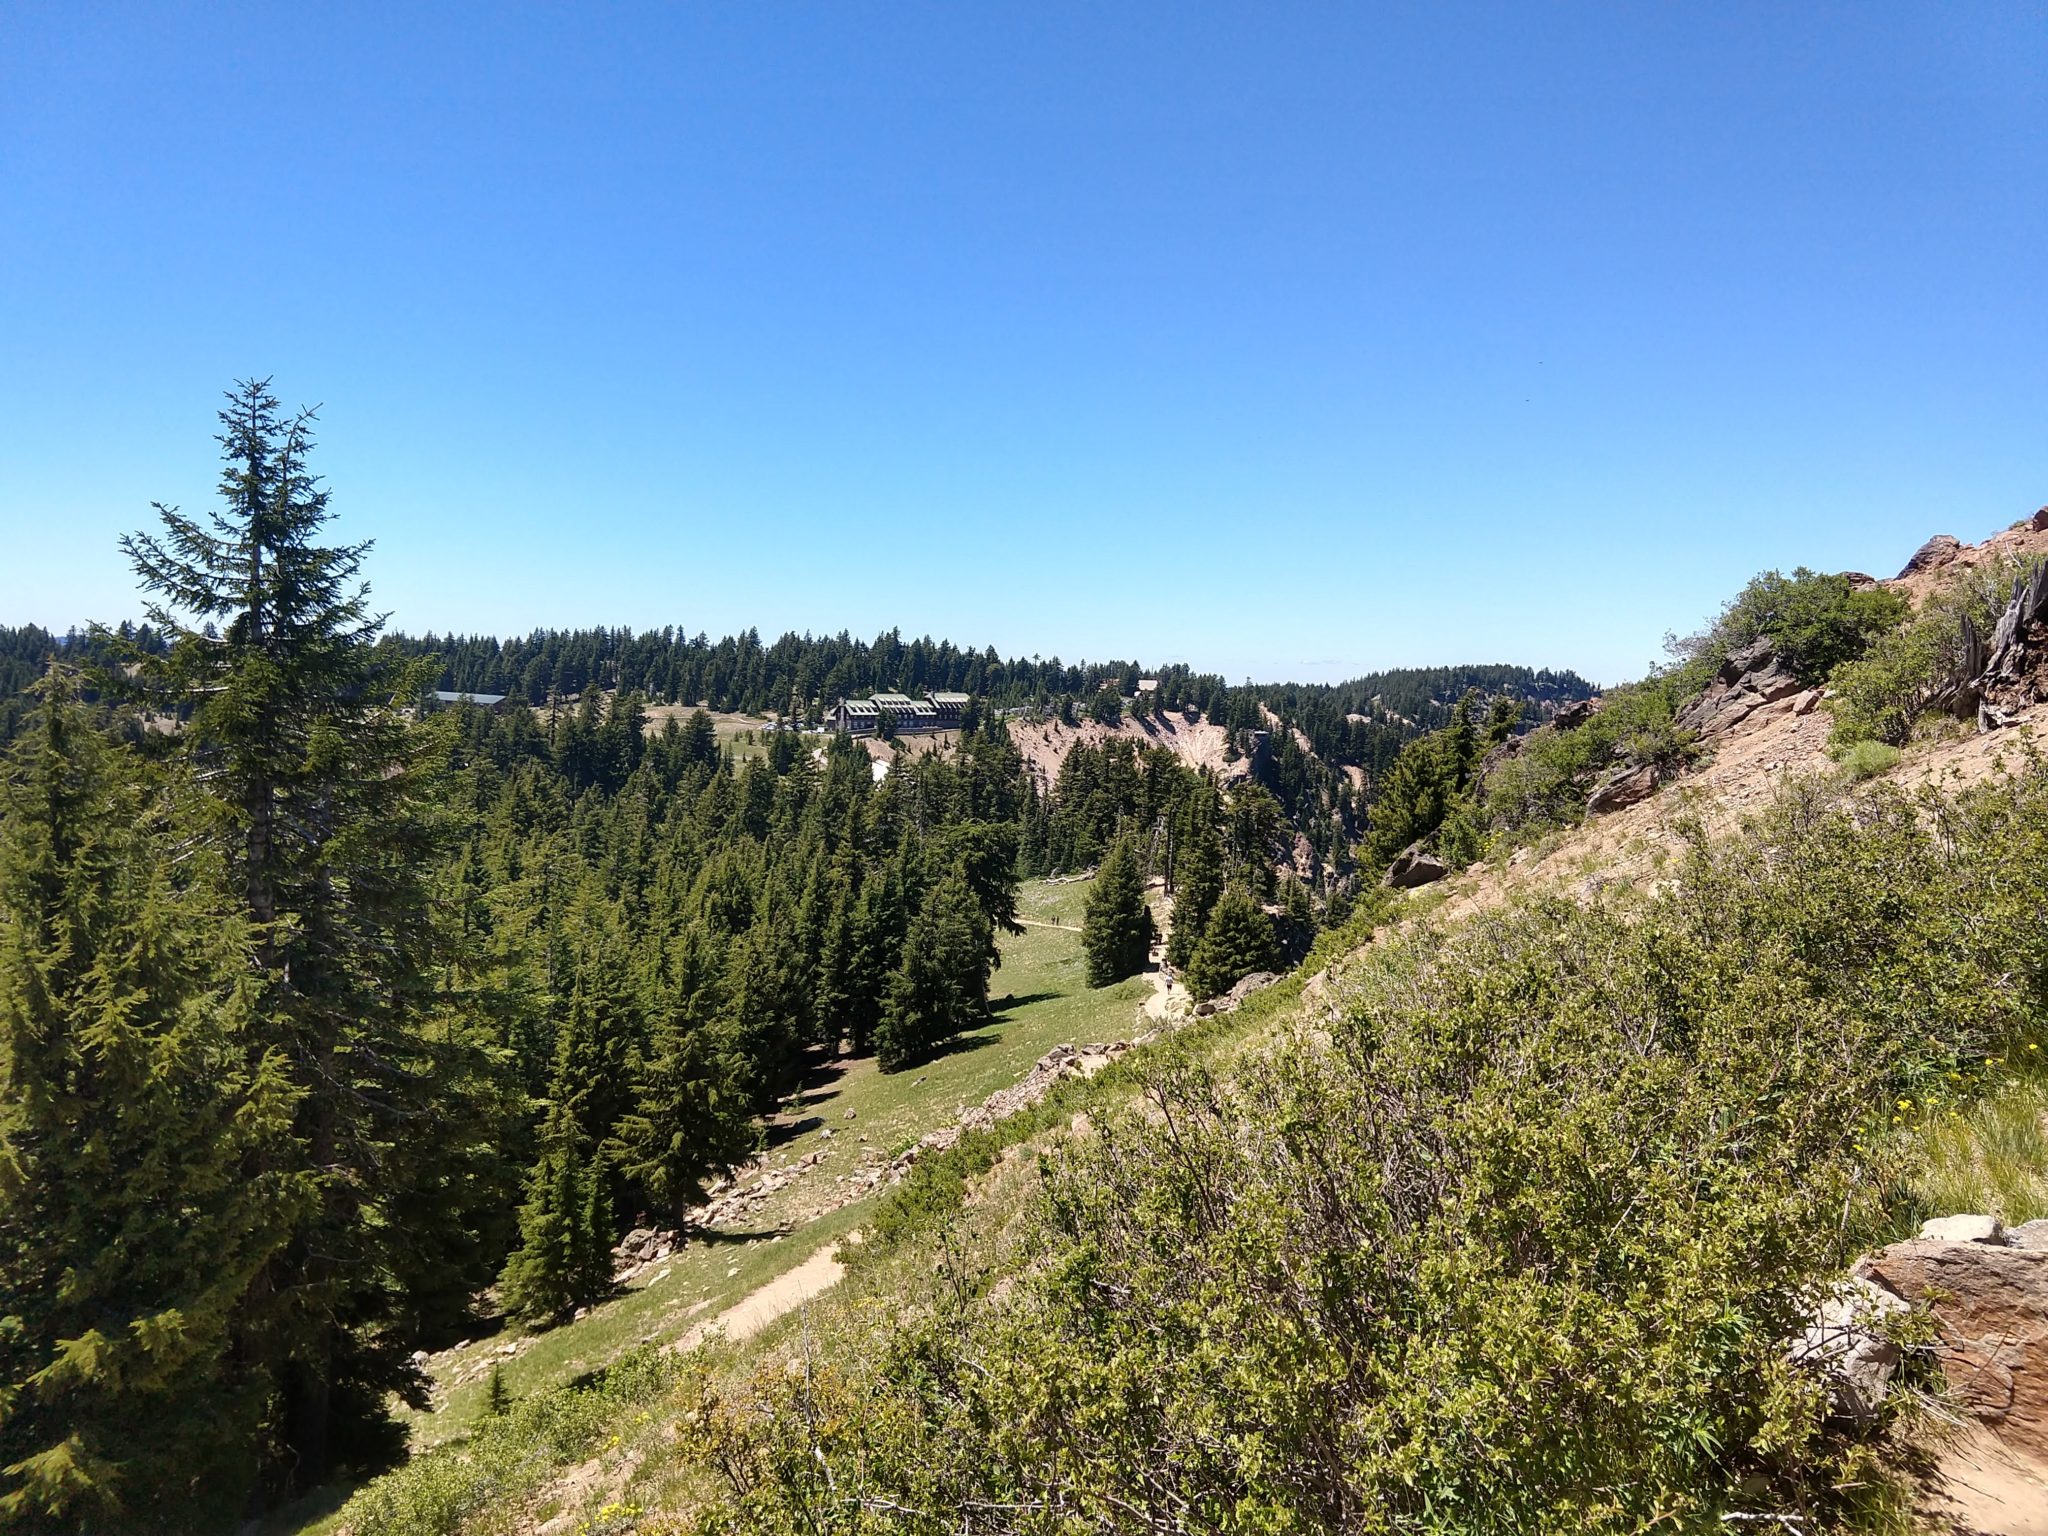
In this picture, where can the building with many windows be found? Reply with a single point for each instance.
(911, 717)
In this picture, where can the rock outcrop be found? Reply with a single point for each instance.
(1229, 1001)
(1621, 787)
(1989, 1300)
(1752, 676)
(1933, 555)
(1575, 714)
(1414, 866)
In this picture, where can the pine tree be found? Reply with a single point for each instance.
(1197, 875)
(135, 1135)
(1117, 926)
(564, 1256)
(323, 808)
(692, 1115)
(1237, 942)
(497, 1396)
(941, 985)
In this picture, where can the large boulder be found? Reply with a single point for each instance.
(2039, 521)
(1621, 787)
(1753, 675)
(1414, 866)
(1989, 1301)
(1933, 555)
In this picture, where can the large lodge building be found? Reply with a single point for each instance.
(911, 717)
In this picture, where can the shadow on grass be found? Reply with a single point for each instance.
(778, 1132)
(959, 1045)
(1004, 1004)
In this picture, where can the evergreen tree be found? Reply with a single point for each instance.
(1117, 927)
(564, 1256)
(137, 1197)
(700, 740)
(1197, 875)
(1237, 942)
(941, 985)
(692, 1115)
(497, 1397)
(323, 808)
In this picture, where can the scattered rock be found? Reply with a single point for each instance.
(1229, 1001)
(1846, 1340)
(852, 1114)
(1575, 714)
(1753, 675)
(1858, 582)
(1963, 1229)
(1933, 555)
(640, 1250)
(1990, 1303)
(1621, 787)
(1413, 867)
(2039, 521)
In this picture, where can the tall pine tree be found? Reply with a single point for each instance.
(323, 808)
(941, 985)
(1116, 929)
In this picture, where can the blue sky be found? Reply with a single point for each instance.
(1289, 340)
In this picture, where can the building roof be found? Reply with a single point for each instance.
(443, 696)
(952, 700)
(892, 701)
(860, 706)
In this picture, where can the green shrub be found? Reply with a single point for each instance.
(1867, 759)
(478, 1485)
(1816, 622)
(1545, 784)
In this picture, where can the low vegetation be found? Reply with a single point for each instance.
(1513, 1247)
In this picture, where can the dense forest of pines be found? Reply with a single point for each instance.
(326, 1020)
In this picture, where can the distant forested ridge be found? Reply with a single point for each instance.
(1361, 722)
(799, 675)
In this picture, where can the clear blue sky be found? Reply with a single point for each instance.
(1283, 339)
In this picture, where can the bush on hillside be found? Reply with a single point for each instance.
(1512, 1245)
(1545, 784)
(1867, 759)
(1816, 622)
(1883, 695)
